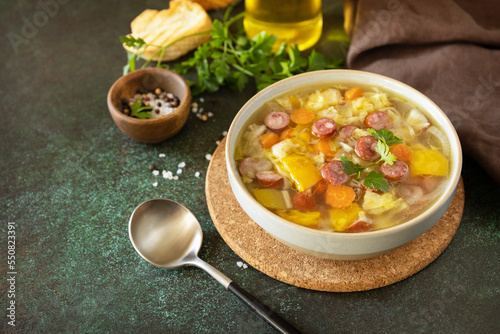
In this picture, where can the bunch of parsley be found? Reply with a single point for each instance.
(231, 58)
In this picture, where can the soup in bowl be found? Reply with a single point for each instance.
(343, 164)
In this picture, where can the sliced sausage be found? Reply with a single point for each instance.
(410, 193)
(324, 128)
(429, 183)
(395, 172)
(319, 187)
(250, 166)
(269, 179)
(365, 148)
(304, 201)
(277, 120)
(360, 225)
(334, 173)
(378, 120)
(345, 132)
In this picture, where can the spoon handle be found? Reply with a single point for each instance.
(262, 310)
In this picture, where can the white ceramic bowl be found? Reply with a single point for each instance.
(336, 245)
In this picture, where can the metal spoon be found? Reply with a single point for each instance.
(168, 235)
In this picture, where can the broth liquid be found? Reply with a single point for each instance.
(298, 21)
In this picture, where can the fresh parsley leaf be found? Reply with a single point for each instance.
(139, 111)
(385, 135)
(131, 41)
(385, 153)
(385, 138)
(350, 167)
(376, 181)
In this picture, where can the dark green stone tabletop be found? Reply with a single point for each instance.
(69, 180)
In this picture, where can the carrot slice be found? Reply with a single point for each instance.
(286, 133)
(353, 93)
(269, 139)
(323, 146)
(339, 196)
(402, 152)
(302, 116)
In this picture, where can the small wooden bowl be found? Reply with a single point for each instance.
(152, 130)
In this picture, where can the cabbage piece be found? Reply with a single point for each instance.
(439, 139)
(284, 148)
(285, 102)
(252, 147)
(322, 99)
(370, 102)
(329, 112)
(377, 204)
(417, 120)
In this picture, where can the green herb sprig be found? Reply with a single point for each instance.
(373, 179)
(140, 111)
(385, 138)
(231, 58)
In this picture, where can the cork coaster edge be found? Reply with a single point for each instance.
(266, 254)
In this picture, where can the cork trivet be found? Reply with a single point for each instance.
(265, 253)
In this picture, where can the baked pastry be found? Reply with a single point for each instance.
(162, 27)
(213, 4)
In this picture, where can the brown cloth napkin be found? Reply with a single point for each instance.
(448, 50)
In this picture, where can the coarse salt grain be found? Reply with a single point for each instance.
(208, 157)
(179, 171)
(161, 155)
(197, 174)
(155, 184)
(168, 175)
(224, 133)
(202, 99)
(241, 265)
(181, 165)
(156, 172)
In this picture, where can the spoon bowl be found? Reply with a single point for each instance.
(165, 233)
(168, 235)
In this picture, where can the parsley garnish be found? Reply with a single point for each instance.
(140, 111)
(230, 58)
(373, 179)
(350, 167)
(376, 181)
(385, 138)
